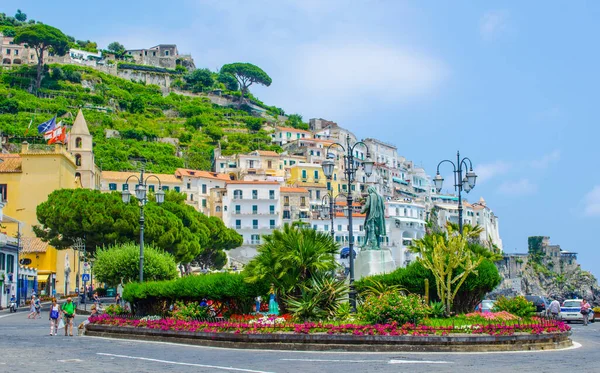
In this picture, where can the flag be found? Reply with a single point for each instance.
(59, 135)
(51, 133)
(47, 126)
(29, 126)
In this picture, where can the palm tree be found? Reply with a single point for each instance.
(291, 257)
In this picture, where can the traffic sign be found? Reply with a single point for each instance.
(85, 277)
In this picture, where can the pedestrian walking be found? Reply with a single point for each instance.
(585, 311)
(54, 317)
(32, 312)
(68, 310)
(554, 309)
(38, 307)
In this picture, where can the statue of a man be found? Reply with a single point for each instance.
(375, 220)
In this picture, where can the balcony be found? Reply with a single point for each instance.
(252, 213)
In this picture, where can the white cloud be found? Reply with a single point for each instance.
(517, 188)
(546, 160)
(492, 24)
(488, 171)
(592, 202)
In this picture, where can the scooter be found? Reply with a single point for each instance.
(13, 306)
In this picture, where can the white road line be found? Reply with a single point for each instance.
(575, 346)
(419, 362)
(180, 363)
(336, 360)
(70, 361)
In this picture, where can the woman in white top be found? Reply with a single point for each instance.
(54, 317)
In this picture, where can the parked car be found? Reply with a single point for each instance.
(570, 311)
(541, 303)
(485, 305)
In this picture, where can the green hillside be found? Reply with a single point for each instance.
(139, 112)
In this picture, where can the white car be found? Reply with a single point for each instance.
(570, 311)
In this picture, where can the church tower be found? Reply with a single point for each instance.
(80, 146)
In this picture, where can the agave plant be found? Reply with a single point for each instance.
(320, 297)
(437, 309)
(377, 288)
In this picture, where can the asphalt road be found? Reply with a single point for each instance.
(26, 346)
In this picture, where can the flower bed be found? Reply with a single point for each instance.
(272, 325)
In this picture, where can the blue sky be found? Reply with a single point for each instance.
(511, 84)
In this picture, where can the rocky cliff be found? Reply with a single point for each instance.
(523, 276)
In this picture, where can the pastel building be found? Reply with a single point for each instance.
(252, 208)
(196, 185)
(115, 181)
(283, 135)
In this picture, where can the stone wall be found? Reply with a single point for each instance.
(160, 79)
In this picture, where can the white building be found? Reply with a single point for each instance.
(252, 208)
(283, 135)
(407, 221)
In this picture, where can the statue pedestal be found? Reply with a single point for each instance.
(373, 262)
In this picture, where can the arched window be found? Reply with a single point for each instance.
(218, 209)
(78, 142)
(77, 175)
(237, 194)
(78, 159)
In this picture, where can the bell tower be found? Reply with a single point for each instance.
(80, 146)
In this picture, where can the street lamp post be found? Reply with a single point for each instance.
(141, 195)
(350, 171)
(330, 199)
(466, 182)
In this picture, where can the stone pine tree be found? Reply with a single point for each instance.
(42, 38)
(246, 74)
(450, 260)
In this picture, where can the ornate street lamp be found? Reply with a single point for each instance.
(350, 171)
(330, 199)
(141, 195)
(466, 182)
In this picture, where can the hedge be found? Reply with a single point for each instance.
(231, 291)
(412, 278)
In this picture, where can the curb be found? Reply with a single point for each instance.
(322, 342)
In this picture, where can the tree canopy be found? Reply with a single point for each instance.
(116, 47)
(200, 79)
(102, 219)
(246, 74)
(42, 38)
(20, 16)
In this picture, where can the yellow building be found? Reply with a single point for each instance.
(26, 180)
(311, 177)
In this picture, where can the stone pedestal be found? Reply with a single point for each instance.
(373, 262)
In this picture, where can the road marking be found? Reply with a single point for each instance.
(336, 360)
(70, 361)
(419, 362)
(180, 363)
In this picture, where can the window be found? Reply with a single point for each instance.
(272, 224)
(177, 189)
(203, 203)
(271, 194)
(318, 193)
(191, 197)
(238, 209)
(151, 188)
(326, 227)
(165, 188)
(286, 200)
(125, 187)
(238, 224)
(78, 160)
(269, 164)
(237, 194)
(272, 209)
(314, 227)
(78, 142)
(203, 188)
(2, 261)
(218, 209)
(302, 201)
(286, 214)
(153, 54)
(189, 186)
(112, 186)
(10, 264)
(222, 165)
(316, 175)
(8, 52)
(255, 239)
(255, 224)
(254, 209)
(328, 185)
(303, 175)
(166, 53)
(254, 194)
(3, 192)
(339, 227)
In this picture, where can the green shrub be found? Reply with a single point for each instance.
(392, 306)
(190, 311)
(518, 306)
(438, 309)
(228, 288)
(114, 309)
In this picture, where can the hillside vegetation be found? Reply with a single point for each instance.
(139, 112)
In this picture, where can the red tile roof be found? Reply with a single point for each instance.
(199, 173)
(252, 182)
(293, 190)
(10, 163)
